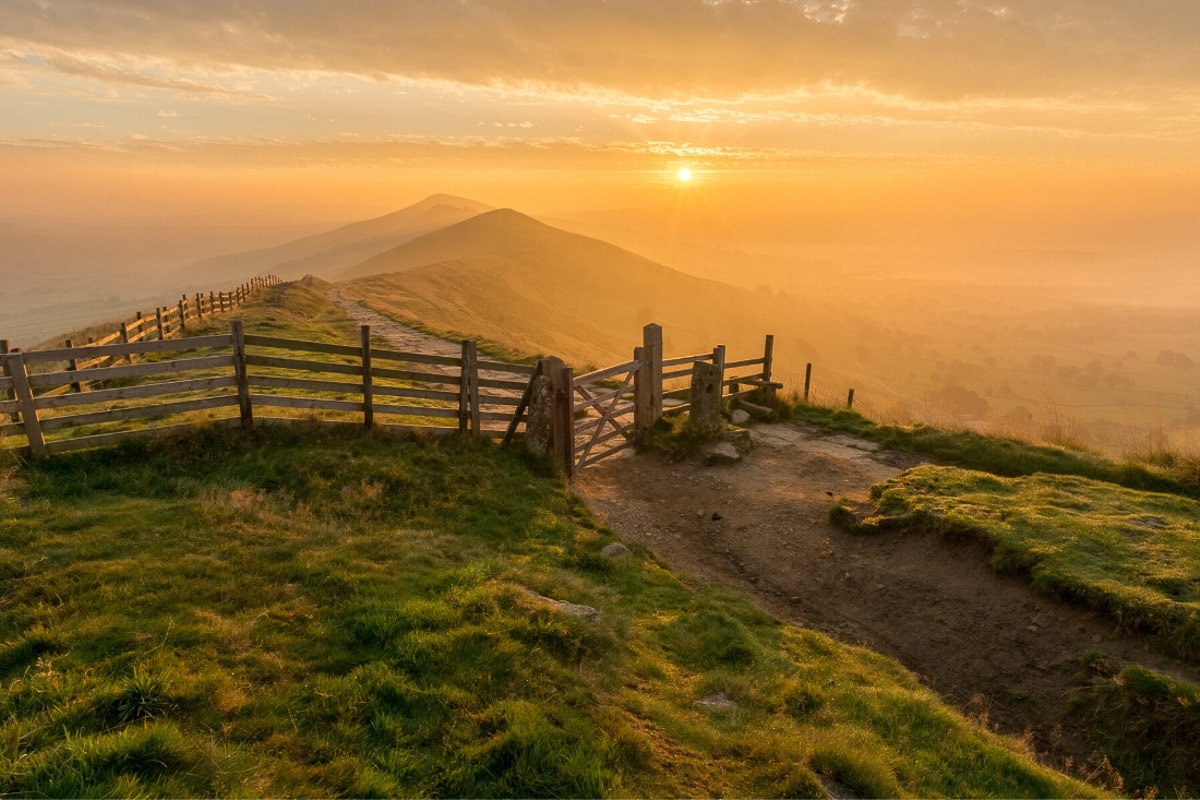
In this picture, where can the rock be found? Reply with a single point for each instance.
(740, 417)
(704, 418)
(717, 702)
(722, 453)
(574, 609)
(541, 409)
(616, 551)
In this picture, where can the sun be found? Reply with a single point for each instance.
(683, 174)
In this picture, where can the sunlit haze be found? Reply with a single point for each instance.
(1051, 146)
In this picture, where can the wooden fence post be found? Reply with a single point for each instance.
(125, 340)
(652, 345)
(11, 394)
(718, 356)
(33, 426)
(182, 329)
(158, 315)
(807, 379)
(850, 399)
(468, 398)
(239, 371)
(564, 420)
(367, 390)
(643, 414)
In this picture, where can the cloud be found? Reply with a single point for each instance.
(935, 49)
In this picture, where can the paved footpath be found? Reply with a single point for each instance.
(400, 336)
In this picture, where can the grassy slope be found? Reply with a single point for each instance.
(296, 612)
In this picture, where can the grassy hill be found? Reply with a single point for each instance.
(530, 287)
(304, 612)
(328, 254)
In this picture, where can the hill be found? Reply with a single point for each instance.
(530, 287)
(327, 254)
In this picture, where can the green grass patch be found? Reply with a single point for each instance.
(1130, 554)
(995, 454)
(300, 611)
(1147, 722)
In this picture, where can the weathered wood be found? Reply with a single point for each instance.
(469, 373)
(607, 372)
(303, 365)
(183, 316)
(850, 399)
(610, 452)
(104, 439)
(564, 420)
(494, 383)
(9, 392)
(134, 392)
(51, 379)
(158, 318)
(100, 349)
(29, 415)
(245, 407)
(681, 373)
(607, 415)
(494, 416)
(418, 411)
(139, 412)
(599, 399)
(504, 366)
(73, 366)
(746, 362)
(522, 404)
(416, 394)
(608, 419)
(439, 378)
(688, 360)
(297, 344)
(115, 336)
(368, 412)
(486, 400)
(768, 356)
(807, 380)
(272, 382)
(318, 403)
(417, 358)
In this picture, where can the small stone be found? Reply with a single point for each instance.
(716, 517)
(740, 417)
(717, 702)
(1096, 638)
(722, 453)
(616, 551)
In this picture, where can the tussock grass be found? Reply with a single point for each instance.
(300, 611)
(1130, 554)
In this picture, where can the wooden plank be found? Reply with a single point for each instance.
(417, 411)
(494, 416)
(133, 392)
(417, 358)
(440, 378)
(677, 393)
(675, 362)
(617, 413)
(9, 406)
(768, 356)
(596, 400)
(103, 439)
(254, 340)
(503, 366)
(106, 350)
(318, 403)
(491, 383)
(29, 415)
(269, 382)
(115, 336)
(748, 362)
(492, 400)
(132, 371)
(522, 404)
(138, 412)
(302, 364)
(607, 372)
(416, 394)
(395, 428)
(625, 431)
(13, 428)
(563, 421)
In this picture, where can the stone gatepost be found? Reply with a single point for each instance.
(704, 419)
(539, 426)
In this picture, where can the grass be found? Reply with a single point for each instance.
(304, 612)
(1000, 455)
(1147, 722)
(1130, 554)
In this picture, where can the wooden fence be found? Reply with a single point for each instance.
(239, 378)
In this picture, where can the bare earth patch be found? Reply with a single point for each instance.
(987, 643)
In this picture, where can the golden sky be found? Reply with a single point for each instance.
(816, 115)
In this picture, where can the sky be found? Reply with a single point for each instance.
(1071, 124)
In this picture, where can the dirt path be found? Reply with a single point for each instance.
(986, 643)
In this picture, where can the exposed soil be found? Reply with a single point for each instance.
(987, 643)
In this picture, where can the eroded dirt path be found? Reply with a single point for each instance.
(988, 644)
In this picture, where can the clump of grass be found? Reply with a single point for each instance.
(297, 611)
(1132, 555)
(1148, 724)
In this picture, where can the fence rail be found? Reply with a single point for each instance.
(236, 378)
